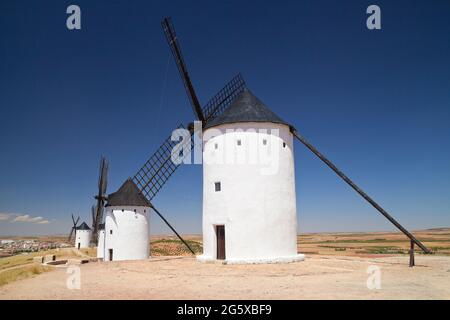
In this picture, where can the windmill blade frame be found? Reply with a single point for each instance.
(101, 198)
(157, 170)
(174, 45)
(74, 227)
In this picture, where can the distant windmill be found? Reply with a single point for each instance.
(97, 211)
(74, 228)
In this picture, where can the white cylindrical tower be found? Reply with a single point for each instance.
(101, 242)
(82, 236)
(249, 199)
(127, 225)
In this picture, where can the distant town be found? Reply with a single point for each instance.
(10, 247)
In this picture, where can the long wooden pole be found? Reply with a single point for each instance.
(168, 224)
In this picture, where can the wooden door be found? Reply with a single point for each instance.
(220, 232)
(110, 254)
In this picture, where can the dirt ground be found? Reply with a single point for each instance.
(318, 277)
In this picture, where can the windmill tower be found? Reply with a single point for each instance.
(127, 224)
(83, 236)
(249, 199)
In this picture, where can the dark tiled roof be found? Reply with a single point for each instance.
(128, 195)
(83, 226)
(246, 108)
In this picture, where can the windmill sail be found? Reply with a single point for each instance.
(222, 100)
(152, 176)
(157, 170)
(174, 45)
(74, 227)
(97, 211)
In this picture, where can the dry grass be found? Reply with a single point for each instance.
(21, 259)
(19, 267)
(19, 273)
(91, 252)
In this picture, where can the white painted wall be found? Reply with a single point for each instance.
(82, 238)
(127, 233)
(257, 201)
(101, 244)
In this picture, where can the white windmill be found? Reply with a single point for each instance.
(248, 217)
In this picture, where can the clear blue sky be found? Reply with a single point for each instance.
(377, 103)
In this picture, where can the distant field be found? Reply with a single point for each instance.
(374, 243)
(343, 244)
(350, 243)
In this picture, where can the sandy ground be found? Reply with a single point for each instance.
(318, 277)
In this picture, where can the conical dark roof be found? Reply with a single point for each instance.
(83, 226)
(128, 195)
(246, 107)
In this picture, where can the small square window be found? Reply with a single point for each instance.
(264, 142)
(217, 186)
(216, 146)
(239, 142)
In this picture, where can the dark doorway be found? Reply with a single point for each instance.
(220, 233)
(110, 254)
(79, 244)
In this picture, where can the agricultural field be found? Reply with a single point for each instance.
(374, 244)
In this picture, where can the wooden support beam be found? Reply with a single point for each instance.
(411, 255)
(360, 191)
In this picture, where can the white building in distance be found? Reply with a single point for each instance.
(249, 199)
(82, 236)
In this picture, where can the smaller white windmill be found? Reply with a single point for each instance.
(83, 236)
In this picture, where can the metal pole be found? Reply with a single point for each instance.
(179, 237)
(360, 191)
